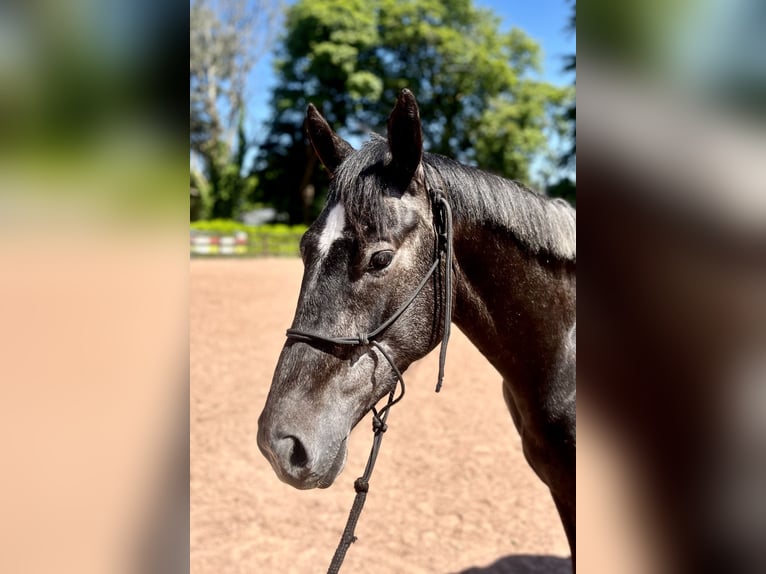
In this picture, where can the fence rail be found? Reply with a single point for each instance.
(243, 244)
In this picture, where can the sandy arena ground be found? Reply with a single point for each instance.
(451, 492)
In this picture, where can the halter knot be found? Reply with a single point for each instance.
(378, 426)
(363, 339)
(361, 484)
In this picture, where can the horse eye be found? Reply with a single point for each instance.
(381, 259)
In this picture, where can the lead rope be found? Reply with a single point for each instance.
(362, 484)
(445, 213)
(443, 222)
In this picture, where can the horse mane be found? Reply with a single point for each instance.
(541, 224)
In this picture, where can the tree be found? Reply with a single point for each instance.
(570, 156)
(516, 129)
(320, 59)
(351, 57)
(566, 187)
(226, 39)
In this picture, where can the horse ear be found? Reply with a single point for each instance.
(329, 146)
(405, 137)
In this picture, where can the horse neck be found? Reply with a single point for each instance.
(515, 306)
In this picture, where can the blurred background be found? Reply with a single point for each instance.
(672, 201)
(93, 283)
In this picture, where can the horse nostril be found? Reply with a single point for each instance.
(298, 456)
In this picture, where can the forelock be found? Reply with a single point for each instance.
(361, 185)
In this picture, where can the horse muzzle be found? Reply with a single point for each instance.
(303, 462)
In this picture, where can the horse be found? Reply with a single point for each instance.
(372, 259)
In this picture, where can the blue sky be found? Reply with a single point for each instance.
(546, 22)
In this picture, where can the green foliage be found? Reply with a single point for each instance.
(225, 191)
(516, 129)
(475, 86)
(322, 58)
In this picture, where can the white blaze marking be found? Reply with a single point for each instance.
(333, 229)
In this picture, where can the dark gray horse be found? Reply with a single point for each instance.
(513, 292)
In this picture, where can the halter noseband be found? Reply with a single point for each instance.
(443, 222)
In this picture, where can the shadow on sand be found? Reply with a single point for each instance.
(525, 564)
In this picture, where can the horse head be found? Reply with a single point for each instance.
(364, 258)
